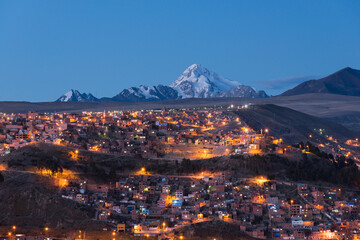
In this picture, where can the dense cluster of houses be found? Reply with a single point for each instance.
(171, 134)
(154, 205)
(174, 134)
(149, 205)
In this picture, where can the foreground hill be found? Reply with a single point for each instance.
(212, 230)
(30, 200)
(94, 167)
(343, 82)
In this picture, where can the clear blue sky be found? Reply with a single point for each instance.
(102, 47)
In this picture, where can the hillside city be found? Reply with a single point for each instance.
(142, 203)
(179, 120)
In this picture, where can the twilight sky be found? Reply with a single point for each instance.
(48, 47)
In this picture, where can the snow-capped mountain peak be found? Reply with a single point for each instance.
(243, 91)
(76, 96)
(146, 93)
(199, 82)
(195, 82)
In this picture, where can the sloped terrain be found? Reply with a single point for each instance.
(31, 200)
(95, 167)
(343, 82)
(291, 125)
(212, 230)
(317, 167)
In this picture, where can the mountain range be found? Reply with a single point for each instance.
(199, 82)
(195, 82)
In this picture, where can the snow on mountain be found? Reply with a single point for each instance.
(76, 96)
(199, 82)
(146, 93)
(195, 82)
(243, 91)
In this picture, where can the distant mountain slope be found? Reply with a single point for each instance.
(291, 125)
(76, 96)
(343, 82)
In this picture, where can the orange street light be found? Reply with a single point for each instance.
(46, 229)
(9, 233)
(14, 227)
(76, 151)
(266, 130)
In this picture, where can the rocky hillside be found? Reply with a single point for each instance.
(31, 200)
